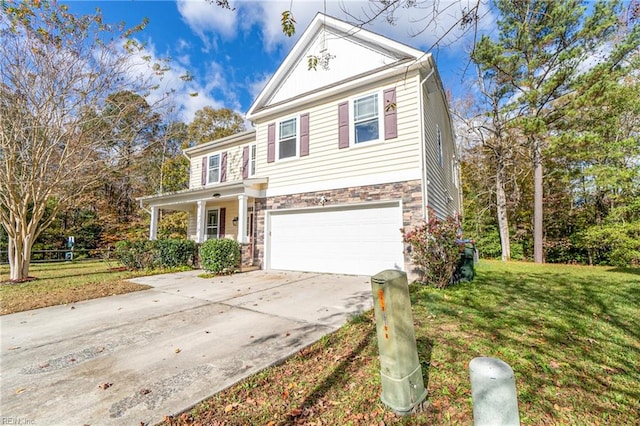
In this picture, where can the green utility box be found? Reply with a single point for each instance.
(465, 270)
(402, 384)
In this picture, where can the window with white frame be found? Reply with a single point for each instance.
(213, 170)
(366, 119)
(252, 160)
(287, 143)
(439, 141)
(454, 171)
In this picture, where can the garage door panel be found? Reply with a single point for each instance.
(354, 239)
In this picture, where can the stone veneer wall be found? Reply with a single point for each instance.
(246, 255)
(410, 192)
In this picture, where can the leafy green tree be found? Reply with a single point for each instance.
(174, 173)
(210, 124)
(541, 48)
(597, 157)
(132, 130)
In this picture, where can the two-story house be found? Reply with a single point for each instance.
(341, 158)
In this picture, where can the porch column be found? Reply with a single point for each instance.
(242, 218)
(200, 220)
(153, 226)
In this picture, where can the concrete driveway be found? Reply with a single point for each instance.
(133, 358)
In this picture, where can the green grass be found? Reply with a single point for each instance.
(571, 334)
(62, 283)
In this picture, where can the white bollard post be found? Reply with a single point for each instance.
(493, 389)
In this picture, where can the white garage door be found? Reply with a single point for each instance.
(362, 239)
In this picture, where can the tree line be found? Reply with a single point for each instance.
(552, 140)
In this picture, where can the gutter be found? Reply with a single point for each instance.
(425, 182)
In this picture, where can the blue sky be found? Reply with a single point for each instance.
(232, 54)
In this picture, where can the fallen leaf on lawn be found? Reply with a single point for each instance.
(554, 364)
(285, 394)
(271, 423)
(296, 412)
(105, 386)
(230, 407)
(20, 390)
(178, 350)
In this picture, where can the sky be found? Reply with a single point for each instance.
(232, 54)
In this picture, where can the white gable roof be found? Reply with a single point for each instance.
(355, 53)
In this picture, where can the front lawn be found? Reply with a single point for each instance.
(65, 282)
(571, 334)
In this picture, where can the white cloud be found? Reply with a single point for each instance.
(207, 20)
(173, 91)
(190, 104)
(256, 86)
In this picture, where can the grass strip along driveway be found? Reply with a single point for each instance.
(571, 334)
(62, 283)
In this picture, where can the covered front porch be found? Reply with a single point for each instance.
(220, 211)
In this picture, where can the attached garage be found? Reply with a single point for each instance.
(361, 239)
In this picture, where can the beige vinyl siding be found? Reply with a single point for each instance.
(231, 212)
(442, 194)
(234, 165)
(191, 224)
(327, 162)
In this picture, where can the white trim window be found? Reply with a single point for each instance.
(287, 139)
(454, 171)
(252, 160)
(213, 169)
(367, 126)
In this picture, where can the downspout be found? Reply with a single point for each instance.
(425, 182)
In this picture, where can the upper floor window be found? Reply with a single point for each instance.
(369, 118)
(213, 171)
(252, 160)
(366, 119)
(288, 138)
